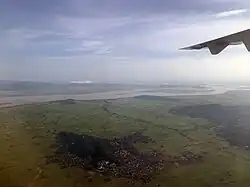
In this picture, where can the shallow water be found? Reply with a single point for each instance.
(16, 100)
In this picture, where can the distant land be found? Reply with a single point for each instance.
(25, 92)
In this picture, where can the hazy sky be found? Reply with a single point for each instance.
(120, 40)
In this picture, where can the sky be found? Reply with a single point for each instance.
(117, 40)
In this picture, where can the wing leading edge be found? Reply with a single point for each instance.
(219, 44)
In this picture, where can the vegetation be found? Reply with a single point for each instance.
(194, 153)
(232, 122)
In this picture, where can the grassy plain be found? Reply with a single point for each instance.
(28, 131)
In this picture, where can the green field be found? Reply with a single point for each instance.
(28, 131)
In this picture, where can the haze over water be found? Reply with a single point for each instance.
(123, 91)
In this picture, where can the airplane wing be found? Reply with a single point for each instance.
(219, 44)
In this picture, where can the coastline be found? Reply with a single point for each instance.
(20, 100)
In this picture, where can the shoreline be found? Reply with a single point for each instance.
(11, 101)
(21, 100)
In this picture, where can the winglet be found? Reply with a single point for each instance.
(247, 43)
(215, 48)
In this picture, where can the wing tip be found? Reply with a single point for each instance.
(187, 48)
(184, 48)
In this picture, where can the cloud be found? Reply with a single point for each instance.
(116, 39)
(41, 13)
(231, 13)
(95, 47)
